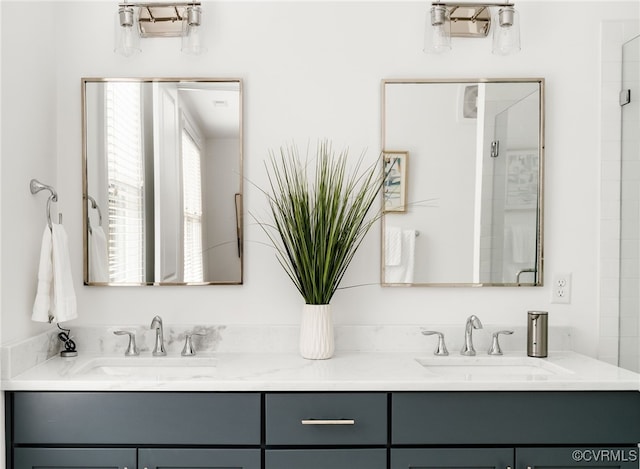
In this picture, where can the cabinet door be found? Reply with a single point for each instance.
(467, 458)
(326, 459)
(74, 458)
(173, 458)
(578, 458)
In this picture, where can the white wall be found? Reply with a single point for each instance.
(29, 97)
(310, 70)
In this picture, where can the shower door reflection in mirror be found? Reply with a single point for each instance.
(162, 181)
(473, 211)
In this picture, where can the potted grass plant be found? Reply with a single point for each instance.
(320, 215)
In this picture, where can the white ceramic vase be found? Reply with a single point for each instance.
(316, 332)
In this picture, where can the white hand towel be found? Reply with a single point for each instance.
(63, 293)
(403, 273)
(98, 257)
(393, 245)
(42, 303)
(55, 296)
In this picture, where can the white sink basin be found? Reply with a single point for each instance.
(150, 367)
(491, 367)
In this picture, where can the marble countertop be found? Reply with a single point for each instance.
(346, 371)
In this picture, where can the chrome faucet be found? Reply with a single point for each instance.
(473, 322)
(158, 350)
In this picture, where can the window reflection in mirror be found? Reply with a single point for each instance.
(162, 181)
(473, 185)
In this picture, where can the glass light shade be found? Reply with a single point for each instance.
(127, 36)
(437, 33)
(506, 32)
(192, 35)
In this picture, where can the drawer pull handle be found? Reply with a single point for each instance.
(328, 422)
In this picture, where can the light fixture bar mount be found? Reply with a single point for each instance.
(161, 19)
(469, 19)
(472, 20)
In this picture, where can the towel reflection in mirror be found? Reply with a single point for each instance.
(399, 254)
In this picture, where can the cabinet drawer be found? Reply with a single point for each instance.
(468, 458)
(326, 419)
(326, 459)
(205, 458)
(63, 458)
(508, 418)
(136, 418)
(577, 458)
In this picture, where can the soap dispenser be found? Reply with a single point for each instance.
(537, 334)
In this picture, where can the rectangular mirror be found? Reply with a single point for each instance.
(162, 181)
(463, 185)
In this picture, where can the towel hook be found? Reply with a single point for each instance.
(36, 186)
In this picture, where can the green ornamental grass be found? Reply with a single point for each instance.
(319, 220)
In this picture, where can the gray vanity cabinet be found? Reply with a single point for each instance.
(323, 430)
(74, 458)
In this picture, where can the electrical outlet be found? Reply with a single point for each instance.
(561, 289)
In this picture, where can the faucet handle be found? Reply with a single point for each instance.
(495, 344)
(132, 350)
(441, 349)
(189, 350)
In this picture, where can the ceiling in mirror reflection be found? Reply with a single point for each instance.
(163, 166)
(472, 179)
(216, 107)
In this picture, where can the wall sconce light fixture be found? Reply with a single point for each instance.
(446, 20)
(192, 32)
(437, 36)
(127, 35)
(161, 19)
